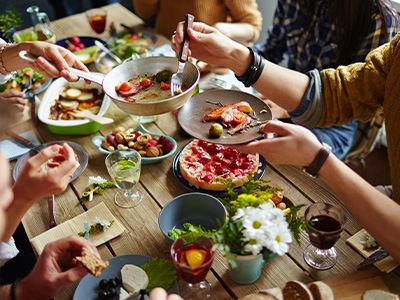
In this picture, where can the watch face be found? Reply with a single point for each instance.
(327, 146)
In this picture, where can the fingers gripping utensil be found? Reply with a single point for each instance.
(176, 79)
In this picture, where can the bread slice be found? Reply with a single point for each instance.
(321, 291)
(379, 295)
(92, 263)
(134, 278)
(296, 290)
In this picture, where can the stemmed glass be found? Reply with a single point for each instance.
(328, 223)
(124, 168)
(193, 257)
(97, 19)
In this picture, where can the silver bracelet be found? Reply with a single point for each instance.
(3, 69)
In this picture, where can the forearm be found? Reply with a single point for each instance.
(5, 292)
(146, 8)
(15, 213)
(283, 86)
(378, 214)
(11, 59)
(243, 33)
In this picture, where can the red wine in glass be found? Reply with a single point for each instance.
(325, 231)
(328, 223)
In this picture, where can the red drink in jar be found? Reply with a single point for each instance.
(193, 261)
(98, 23)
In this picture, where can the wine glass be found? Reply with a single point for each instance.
(328, 223)
(193, 257)
(97, 19)
(124, 168)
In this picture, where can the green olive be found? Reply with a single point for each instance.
(216, 130)
(164, 76)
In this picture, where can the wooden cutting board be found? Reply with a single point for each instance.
(352, 286)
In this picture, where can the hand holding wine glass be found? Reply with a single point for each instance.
(124, 168)
(328, 223)
(193, 257)
(97, 19)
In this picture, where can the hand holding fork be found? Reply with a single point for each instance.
(176, 79)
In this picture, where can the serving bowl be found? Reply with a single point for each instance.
(195, 208)
(97, 140)
(69, 127)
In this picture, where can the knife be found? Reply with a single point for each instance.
(51, 205)
(32, 101)
(374, 257)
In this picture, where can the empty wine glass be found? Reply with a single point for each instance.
(124, 168)
(193, 257)
(328, 223)
(97, 19)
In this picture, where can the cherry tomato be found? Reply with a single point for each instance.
(125, 86)
(75, 40)
(146, 82)
(134, 36)
(164, 86)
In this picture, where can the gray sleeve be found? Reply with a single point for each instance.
(309, 111)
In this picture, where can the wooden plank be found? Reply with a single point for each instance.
(352, 286)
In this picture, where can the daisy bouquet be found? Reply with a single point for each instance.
(258, 221)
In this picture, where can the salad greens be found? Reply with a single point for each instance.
(190, 229)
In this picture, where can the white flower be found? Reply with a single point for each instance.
(254, 245)
(254, 223)
(96, 179)
(279, 239)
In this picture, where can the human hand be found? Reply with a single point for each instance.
(16, 100)
(161, 294)
(206, 44)
(290, 145)
(55, 268)
(54, 60)
(42, 181)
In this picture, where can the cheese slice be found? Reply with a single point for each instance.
(134, 278)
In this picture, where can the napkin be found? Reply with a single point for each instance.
(12, 150)
(386, 264)
(76, 225)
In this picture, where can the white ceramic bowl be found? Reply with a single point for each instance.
(73, 127)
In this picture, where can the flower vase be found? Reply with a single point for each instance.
(248, 267)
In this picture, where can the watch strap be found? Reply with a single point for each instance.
(318, 161)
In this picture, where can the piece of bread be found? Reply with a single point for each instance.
(379, 295)
(134, 278)
(257, 296)
(92, 263)
(296, 290)
(320, 291)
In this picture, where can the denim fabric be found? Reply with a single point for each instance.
(340, 138)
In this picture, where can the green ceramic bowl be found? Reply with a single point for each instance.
(68, 127)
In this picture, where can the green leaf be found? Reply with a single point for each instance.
(161, 273)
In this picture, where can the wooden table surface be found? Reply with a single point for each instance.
(157, 182)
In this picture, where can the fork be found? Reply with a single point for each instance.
(176, 79)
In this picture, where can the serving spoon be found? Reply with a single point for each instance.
(87, 114)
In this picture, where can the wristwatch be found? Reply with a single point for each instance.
(318, 161)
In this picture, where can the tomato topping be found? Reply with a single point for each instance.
(164, 86)
(125, 86)
(146, 82)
